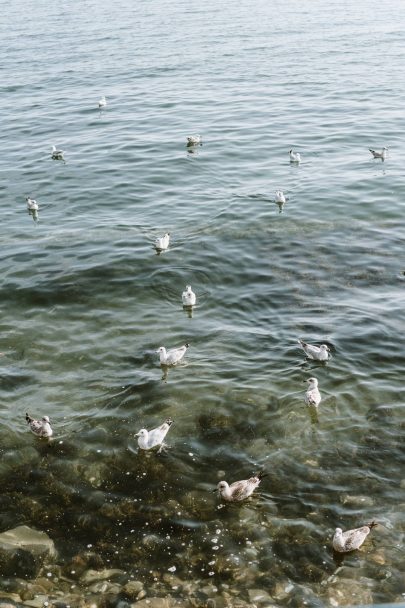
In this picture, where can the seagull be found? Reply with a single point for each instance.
(239, 490)
(194, 140)
(57, 154)
(382, 154)
(172, 356)
(188, 296)
(279, 197)
(318, 353)
(162, 242)
(41, 428)
(102, 102)
(155, 437)
(31, 204)
(313, 396)
(343, 542)
(295, 157)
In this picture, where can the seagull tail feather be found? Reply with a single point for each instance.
(372, 525)
(28, 418)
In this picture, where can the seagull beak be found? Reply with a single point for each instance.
(136, 434)
(213, 491)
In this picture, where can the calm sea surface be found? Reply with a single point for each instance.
(86, 301)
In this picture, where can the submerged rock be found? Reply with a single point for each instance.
(92, 576)
(23, 550)
(132, 589)
(349, 592)
(259, 596)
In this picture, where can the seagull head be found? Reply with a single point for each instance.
(312, 382)
(142, 433)
(325, 347)
(161, 349)
(221, 487)
(338, 531)
(45, 419)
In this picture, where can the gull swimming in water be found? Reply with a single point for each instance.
(295, 157)
(155, 437)
(188, 297)
(313, 396)
(382, 154)
(343, 542)
(279, 197)
(57, 154)
(172, 356)
(102, 102)
(318, 353)
(239, 490)
(31, 204)
(162, 242)
(41, 428)
(194, 140)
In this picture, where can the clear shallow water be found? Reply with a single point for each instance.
(86, 301)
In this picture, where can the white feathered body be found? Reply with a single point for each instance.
(172, 356)
(239, 490)
(32, 205)
(279, 197)
(382, 155)
(318, 353)
(188, 297)
(194, 140)
(295, 157)
(343, 542)
(150, 439)
(162, 242)
(41, 428)
(313, 396)
(57, 154)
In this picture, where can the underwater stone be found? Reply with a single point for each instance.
(23, 550)
(92, 576)
(357, 501)
(346, 592)
(161, 602)
(132, 589)
(37, 602)
(258, 596)
(71, 601)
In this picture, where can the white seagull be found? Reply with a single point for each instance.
(31, 204)
(318, 353)
(194, 140)
(188, 297)
(41, 428)
(57, 154)
(162, 242)
(343, 542)
(279, 197)
(102, 102)
(155, 437)
(295, 157)
(239, 490)
(382, 154)
(172, 356)
(313, 396)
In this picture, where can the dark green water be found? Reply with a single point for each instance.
(85, 300)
